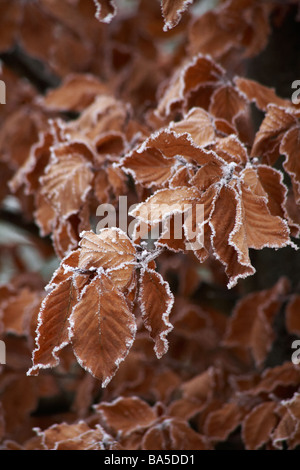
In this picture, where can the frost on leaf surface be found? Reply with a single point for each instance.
(86, 307)
(105, 10)
(156, 301)
(66, 183)
(52, 331)
(102, 328)
(172, 11)
(111, 250)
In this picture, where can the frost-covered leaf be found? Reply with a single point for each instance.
(290, 148)
(126, 414)
(172, 11)
(165, 202)
(110, 249)
(227, 103)
(200, 73)
(66, 183)
(102, 328)
(267, 140)
(231, 25)
(149, 166)
(288, 427)
(258, 425)
(77, 436)
(75, 94)
(285, 375)
(199, 124)
(156, 301)
(220, 423)
(173, 434)
(227, 248)
(52, 331)
(18, 310)
(231, 149)
(105, 10)
(260, 94)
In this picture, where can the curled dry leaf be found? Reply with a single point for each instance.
(78, 436)
(156, 302)
(172, 11)
(259, 424)
(261, 95)
(232, 25)
(126, 415)
(111, 250)
(66, 183)
(173, 434)
(52, 331)
(75, 94)
(220, 423)
(288, 427)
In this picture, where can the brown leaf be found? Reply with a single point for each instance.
(200, 387)
(148, 167)
(66, 183)
(102, 328)
(18, 310)
(220, 423)
(52, 331)
(272, 182)
(199, 74)
(231, 149)
(111, 250)
(290, 148)
(19, 132)
(74, 94)
(77, 436)
(164, 203)
(209, 36)
(232, 25)
(260, 94)
(288, 427)
(250, 326)
(258, 425)
(227, 103)
(173, 434)
(267, 140)
(126, 414)
(285, 375)
(227, 247)
(172, 11)
(285, 430)
(199, 124)
(185, 408)
(262, 229)
(156, 301)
